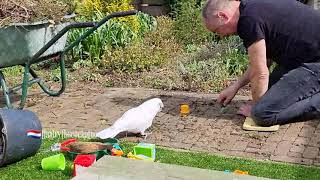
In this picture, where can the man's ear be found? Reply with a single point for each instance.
(223, 15)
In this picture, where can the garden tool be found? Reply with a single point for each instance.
(88, 147)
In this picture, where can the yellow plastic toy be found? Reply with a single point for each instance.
(116, 152)
(138, 157)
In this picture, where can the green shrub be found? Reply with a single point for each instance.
(155, 49)
(114, 34)
(204, 71)
(232, 54)
(188, 26)
(209, 68)
(92, 8)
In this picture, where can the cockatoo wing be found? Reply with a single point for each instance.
(118, 126)
(110, 132)
(149, 110)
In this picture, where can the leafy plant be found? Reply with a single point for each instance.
(114, 34)
(204, 71)
(188, 26)
(233, 55)
(155, 49)
(93, 8)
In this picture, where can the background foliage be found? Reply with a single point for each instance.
(174, 52)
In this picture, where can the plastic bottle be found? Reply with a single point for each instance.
(184, 110)
(55, 147)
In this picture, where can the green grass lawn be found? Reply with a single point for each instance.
(30, 168)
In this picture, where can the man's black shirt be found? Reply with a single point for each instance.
(291, 30)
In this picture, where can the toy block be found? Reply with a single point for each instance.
(144, 149)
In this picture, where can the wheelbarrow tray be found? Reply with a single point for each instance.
(20, 42)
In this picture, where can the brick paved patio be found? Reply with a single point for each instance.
(93, 108)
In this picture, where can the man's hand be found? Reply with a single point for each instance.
(227, 95)
(245, 110)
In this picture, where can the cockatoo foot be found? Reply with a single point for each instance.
(145, 135)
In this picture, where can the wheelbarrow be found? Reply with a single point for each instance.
(25, 45)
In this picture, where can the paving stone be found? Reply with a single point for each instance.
(292, 132)
(160, 137)
(199, 148)
(301, 141)
(276, 137)
(256, 145)
(310, 152)
(265, 134)
(180, 127)
(311, 123)
(178, 145)
(239, 146)
(307, 132)
(294, 154)
(268, 148)
(292, 160)
(246, 155)
(241, 154)
(315, 141)
(306, 162)
(284, 126)
(228, 143)
(297, 148)
(235, 132)
(253, 150)
(192, 138)
(283, 148)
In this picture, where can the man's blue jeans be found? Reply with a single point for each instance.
(292, 96)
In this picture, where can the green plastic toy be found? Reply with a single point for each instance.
(144, 149)
(54, 163)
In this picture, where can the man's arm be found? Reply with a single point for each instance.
(243, 80)
(259, 73)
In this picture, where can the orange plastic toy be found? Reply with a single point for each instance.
(241, 172)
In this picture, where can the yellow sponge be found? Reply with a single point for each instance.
(250, 125)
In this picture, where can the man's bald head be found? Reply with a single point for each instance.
(221, 16)
(212, 6)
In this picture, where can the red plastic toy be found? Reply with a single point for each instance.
(82, 162)
(64, 144)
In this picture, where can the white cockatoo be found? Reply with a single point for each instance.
(135, 120)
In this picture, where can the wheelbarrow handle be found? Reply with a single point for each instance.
(94, 25)
(123, 13)
(99, 24)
